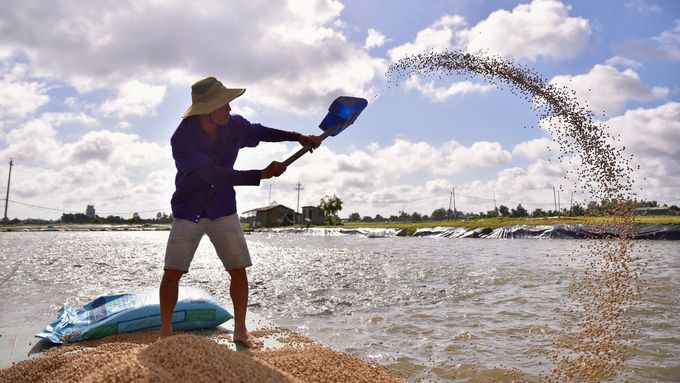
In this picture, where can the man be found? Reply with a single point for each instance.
(204, 147)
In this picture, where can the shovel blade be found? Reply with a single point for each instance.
(342, 113)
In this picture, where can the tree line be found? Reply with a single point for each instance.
(603, 208)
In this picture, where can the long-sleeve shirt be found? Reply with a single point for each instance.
(205, 180)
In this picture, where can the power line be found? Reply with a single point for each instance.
(76, 211)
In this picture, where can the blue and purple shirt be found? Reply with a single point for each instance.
(204, 185)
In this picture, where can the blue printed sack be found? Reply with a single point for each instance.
(114, 314)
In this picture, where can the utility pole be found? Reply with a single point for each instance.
(571, 203)
(9, 177)
(555, 199)
(450, 198)
(495, 207)
(298, 188)
(453, 192)
(559, 207)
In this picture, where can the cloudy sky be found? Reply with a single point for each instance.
(91, 91)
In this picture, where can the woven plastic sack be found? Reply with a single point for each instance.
(134, 312)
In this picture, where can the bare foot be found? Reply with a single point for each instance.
(165, 333)
(247, 339)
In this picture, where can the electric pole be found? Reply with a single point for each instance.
(495, 207)
(555, 199)
(448, 215)
(9, 178)
(298, 188)
(453, 193)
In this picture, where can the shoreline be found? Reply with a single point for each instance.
(25, 359)
(538, 230)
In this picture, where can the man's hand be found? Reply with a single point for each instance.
(274, 169)
(312, 141)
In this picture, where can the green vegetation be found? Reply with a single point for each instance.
(330, 206)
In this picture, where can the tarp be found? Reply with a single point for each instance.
(560, 231)
(322, 231)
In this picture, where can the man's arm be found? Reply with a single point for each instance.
(220, 175)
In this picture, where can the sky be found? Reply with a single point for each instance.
(91, 91)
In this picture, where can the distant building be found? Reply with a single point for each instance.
(89, 212)
(312, 215)
(652, 211)
(268, 216)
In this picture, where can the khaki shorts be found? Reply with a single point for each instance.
(225, 233)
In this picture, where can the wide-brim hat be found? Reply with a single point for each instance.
(208, 95)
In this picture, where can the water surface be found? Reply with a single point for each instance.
(432, 309)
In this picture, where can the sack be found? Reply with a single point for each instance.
(114, 314)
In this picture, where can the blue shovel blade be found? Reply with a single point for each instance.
(342, 113)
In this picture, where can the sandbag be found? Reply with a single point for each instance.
(121, 313)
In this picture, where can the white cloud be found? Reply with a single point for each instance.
(642, 6)
(606, 88)
(374, 39)
(623, 62)
(437, 37)
(291, 56)
(311, 22)
(135, 98)
(542, 28)
(440, 94)
(652, 137)
(111, 169)
(35, 142)
(651, 132)
(20, 96)
(371, 180)
(669, 41)
(538, 148)
(665, 46)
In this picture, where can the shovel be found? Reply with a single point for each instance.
(341, 114)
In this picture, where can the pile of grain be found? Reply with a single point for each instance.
(593, 342)
(316, 363)
(188, 358)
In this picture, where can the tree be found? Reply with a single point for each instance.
(519, 211)
(136, 219)
(504, 210)
(354, 217)
(366, 219)
(577, 210)
(416, 217)
(438, 215)
(404, 217)
(378, 218)
(330, 206)
(538, 213)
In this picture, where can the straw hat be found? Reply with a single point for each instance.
(208, 95)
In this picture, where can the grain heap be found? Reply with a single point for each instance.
(189, 358)
(591, 345)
